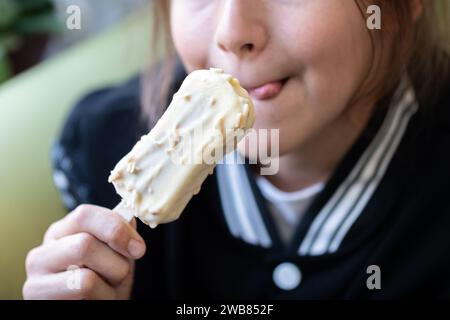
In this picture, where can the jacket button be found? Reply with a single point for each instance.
(287, 276)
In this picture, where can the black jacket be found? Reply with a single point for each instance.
(404, 228)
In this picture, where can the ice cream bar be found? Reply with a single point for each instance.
(209, 114)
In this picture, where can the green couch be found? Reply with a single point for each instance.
(33, 107)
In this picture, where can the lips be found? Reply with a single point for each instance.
(267, 91)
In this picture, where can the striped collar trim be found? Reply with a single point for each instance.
(239, 204)
(336, 217)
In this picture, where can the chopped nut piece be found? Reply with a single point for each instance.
(174, 138)
(137, 197)
(131, 168)
(245, 110)
(197, 190)
(115, 175)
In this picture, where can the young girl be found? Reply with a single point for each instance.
(358, 208)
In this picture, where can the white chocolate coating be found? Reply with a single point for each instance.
(158, 177)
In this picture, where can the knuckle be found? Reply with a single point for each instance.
(83, 245)
(80, 214)
(52, 230)
(117, 232)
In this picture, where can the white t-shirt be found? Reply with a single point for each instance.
(287, 208)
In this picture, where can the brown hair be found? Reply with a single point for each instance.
(419, 47)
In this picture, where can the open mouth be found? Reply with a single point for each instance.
(268, 90)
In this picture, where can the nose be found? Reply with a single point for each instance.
(241, 28)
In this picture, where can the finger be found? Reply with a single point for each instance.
(82, 250)
(77, 284)
(102, 223)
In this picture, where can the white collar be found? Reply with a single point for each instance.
(273, 194)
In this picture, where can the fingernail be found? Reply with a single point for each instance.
(135, 248)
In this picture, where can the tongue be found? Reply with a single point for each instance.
(267, 91)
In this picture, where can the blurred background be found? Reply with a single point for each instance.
(43, 72)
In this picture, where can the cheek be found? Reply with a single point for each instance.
(190, 37)
(333, 58)
(335, 51)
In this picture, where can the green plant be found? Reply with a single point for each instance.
(22, 18)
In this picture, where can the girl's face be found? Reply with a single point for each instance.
(301, 60)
